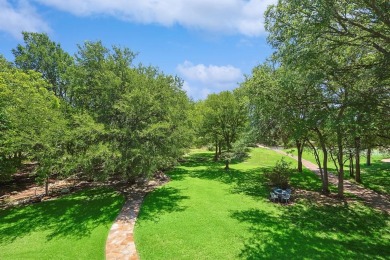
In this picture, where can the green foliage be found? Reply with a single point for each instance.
(41, 54)
(32, 120)
(331, 80)
(240, 149)
(220, 120)
(279, 176)
(264, 104)
(111, 118)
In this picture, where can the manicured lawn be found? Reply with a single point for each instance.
(375, 177)
(208, 213)
(72, 227)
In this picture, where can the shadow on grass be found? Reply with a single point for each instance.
(74, 216)
(249, 182)
(200, 160)
(377, 176)
(160, 201)
(207, 160)
(306, 180)
(315, 232)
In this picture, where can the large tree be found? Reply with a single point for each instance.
(225, 118)
(41, 54)
(145, 112)
(344, 43)
(32, 121)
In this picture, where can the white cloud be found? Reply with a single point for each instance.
(201, 80)
(211, 74)
(228, 16)
(20, 17)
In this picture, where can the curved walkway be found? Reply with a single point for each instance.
(120, 241)
(369, 197)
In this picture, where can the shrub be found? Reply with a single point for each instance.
(279, 176)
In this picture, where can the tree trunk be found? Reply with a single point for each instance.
(368, 163)
(340, 160)
(47, 186)
(351, 166)
(220, 148)
(228, 154)
(325, 181)
(299, 145)
(357, 162)
(318, 160)
(325, 177)
(216, 152)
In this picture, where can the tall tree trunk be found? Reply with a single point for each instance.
(368, 163)
(228, 154)
(325, 180)
(357, 162)
(317, 157)
(299, 145)
(47, 186)
(325, 176)
(351, 166)
(340, 159)
(216, 152)
(220, 147)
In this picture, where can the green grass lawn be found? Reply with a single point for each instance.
(71, 227)
(208, 213)
(375, 177)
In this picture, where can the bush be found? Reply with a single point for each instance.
(279, 176)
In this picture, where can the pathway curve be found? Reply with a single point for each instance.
(369, 197)
(120, 241)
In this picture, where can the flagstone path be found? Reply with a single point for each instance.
(369, 197)
(120, 241)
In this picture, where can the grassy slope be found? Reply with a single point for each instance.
(207, 213)
(72, 227)
(375, 177)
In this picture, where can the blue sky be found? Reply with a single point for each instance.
(209, 44)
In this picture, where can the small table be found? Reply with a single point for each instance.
(280, 192)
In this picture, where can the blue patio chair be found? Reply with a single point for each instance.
(273, 196)
(286, 197)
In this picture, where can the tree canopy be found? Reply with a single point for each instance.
(327, 84)
(94, 115)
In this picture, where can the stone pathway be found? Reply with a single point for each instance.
(120, 241)
(369, 197)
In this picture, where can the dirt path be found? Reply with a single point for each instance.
(369, 197)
